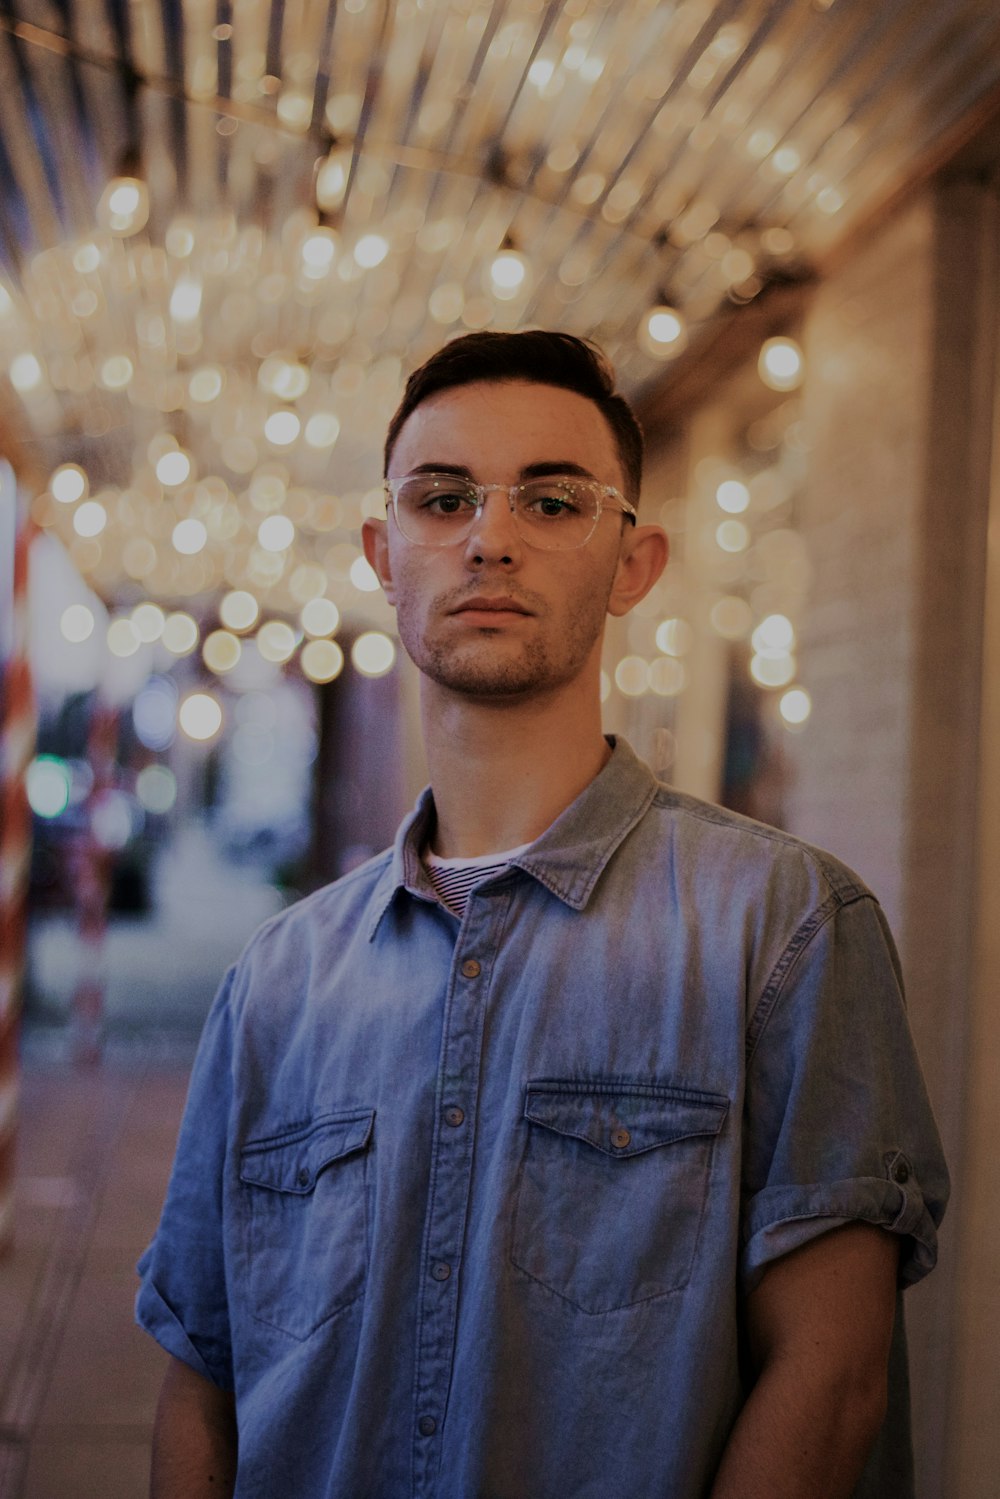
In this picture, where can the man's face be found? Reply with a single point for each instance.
(491, 616)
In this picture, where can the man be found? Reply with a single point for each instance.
(576, 1147)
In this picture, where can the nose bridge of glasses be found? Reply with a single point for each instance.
(486, 514)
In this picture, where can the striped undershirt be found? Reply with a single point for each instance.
(454, 878)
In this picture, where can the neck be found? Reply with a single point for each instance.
(502, 772)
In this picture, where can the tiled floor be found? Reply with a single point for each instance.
(78, 1381)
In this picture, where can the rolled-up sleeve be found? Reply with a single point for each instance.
(182, 1299)
(838, 1127)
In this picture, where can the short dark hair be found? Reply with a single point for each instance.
(540, 357)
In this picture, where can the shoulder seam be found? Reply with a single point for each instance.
(803, 936)
(371, 869)
(847, 887)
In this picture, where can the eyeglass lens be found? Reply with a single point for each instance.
(554, 514)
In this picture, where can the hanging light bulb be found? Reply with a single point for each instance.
(663, 333)
(331, 180)
(780, 364)
(124, 206)
(508, 273)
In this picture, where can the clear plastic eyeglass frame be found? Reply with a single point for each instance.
(546, 531)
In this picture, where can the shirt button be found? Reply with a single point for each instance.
(471, 969)
(454, 1116)
(303, 1177)
(427, 1426)
(901, 1172)
(441, 1271)
(620, 1138)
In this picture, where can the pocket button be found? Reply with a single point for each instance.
(620, 1138)
(303, 1177)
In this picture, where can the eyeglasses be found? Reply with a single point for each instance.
(555, 514)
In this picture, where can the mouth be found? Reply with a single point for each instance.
(499, 607)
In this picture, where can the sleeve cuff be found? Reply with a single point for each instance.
(155, 1316)
(780, 1219)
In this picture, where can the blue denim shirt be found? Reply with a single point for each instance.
(467, 1210)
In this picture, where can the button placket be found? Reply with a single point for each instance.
(451, 1169)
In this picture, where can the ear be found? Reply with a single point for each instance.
(644, 553)
(375, 540)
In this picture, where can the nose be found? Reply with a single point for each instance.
(493, 537)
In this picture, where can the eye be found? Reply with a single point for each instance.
(445, 502)
(439, 497)
(552, 500)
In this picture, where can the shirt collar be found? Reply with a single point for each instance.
(567, 859)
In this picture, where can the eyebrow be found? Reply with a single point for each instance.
(541, 470)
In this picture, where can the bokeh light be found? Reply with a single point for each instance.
(780, 364)
(122, 638)
(154, 713)
(276, 640)
(239, 610)
(795, 706)
(180, 634)
(200, 716)
(674, 637)
(189, 536)
(76, 623)
(147, 622)
(90, 518)
(632, 676)
(733, 496)
(48, 786)
(68, 483)
(221, 651)
(322, 660)
(319, 617)
(373, 654)
(156, 788)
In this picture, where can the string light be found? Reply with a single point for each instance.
(373, 654)
(147, 622)
(322, 660)
(76, 623)
(123, 207)
(276, 641)
(780, 364)
(200, 716)
(180, 633)
(319, 617)
(508, 274)
(239, 610)
(795, 706)
(90, 518)
(221, 651)
(733, 496)
(663, 333)
(68, 483)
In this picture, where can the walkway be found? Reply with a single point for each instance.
(78, 1381)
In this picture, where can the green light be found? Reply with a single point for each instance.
(48, 785)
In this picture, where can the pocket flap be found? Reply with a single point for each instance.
(292, 1162)
(624, 1120)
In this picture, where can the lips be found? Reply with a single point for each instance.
(490, 606)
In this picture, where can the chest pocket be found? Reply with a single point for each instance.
(304, 1215)
(612, 1188)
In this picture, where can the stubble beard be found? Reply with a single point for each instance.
(487, 667)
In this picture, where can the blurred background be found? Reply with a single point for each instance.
(228, 230)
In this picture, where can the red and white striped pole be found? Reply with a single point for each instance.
(17, 744)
